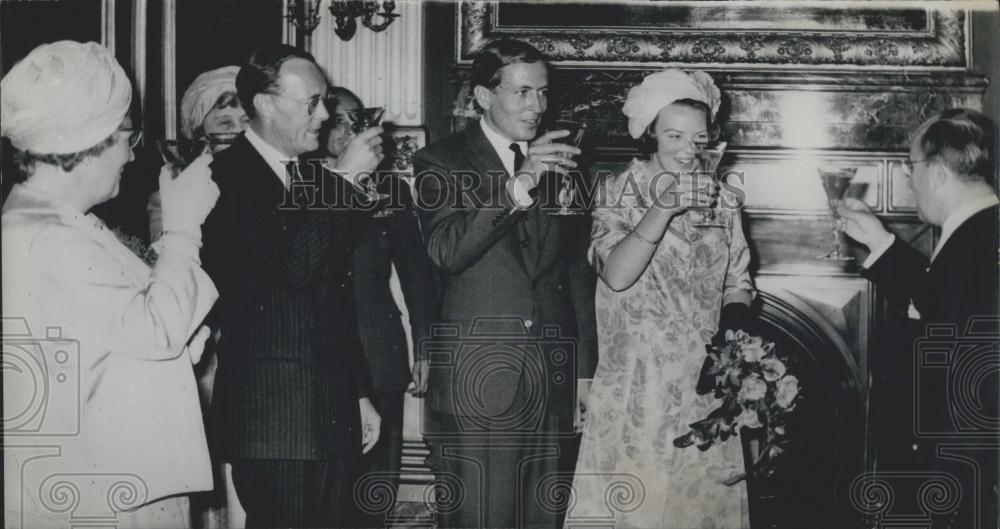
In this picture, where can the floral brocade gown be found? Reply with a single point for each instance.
(652, 340)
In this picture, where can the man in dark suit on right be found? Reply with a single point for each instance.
(932, 408)
(517, 304)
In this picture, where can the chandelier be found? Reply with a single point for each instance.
(345, 13)
(305, 14)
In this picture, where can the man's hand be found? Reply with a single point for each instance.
(545, 156)
(196, 345)
(362, 155)
(582, 397)
(371, 425)
(188, 199)
(687, 190)
(421, 369)
(860, 224)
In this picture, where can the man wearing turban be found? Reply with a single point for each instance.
(104, 419)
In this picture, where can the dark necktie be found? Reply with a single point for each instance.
(518, 156)
(297, 186)
(523, 231)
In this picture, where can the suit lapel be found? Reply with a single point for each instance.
(544, 222)
(484, 159)
(255, 174)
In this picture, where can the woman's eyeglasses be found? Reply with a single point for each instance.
(134, 137)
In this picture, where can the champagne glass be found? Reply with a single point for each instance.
(836, 181)
(178, 154)
(567, 188)
(709, 158)
(365, 118)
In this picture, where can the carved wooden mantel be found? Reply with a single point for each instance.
(670, 33)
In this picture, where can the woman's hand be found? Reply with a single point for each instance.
(685, 191)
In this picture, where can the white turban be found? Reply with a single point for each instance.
(63, 98)
(201, 96)
(660, 89)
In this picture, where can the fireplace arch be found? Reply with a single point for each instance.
(812, 480)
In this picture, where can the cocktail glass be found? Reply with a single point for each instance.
(836, 181)
(709, 158)
(366, 118)
(178, 154)
(567, 187)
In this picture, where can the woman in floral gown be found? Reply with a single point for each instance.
(667, 288)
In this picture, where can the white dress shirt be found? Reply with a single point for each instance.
(518, 189)
(277, 161)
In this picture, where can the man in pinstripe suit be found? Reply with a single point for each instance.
(291, 409)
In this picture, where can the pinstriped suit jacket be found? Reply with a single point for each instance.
(291, 368)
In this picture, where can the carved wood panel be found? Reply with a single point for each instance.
(692, 33)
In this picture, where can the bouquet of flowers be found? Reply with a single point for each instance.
(757, 393)
(138, 246)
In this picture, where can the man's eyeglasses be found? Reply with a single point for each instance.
(312, 104)
(134, 137)
(908, 165)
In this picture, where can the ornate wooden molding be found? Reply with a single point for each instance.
(907, 37)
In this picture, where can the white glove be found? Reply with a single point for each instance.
(189, 198)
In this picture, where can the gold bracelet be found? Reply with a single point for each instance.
(643, 239)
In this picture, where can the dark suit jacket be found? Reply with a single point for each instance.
(502, 287)
(389, 241)
(916, 404)
(960, 283)
(290, 364)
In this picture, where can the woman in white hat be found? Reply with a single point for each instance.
(664, 284)
(210, 111)
(109, 426)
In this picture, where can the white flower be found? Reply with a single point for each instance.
(752, 388)
(772, 368)
(748, 419)
(788, 389)
(752, 350)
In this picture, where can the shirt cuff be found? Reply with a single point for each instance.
(877, 251)
(517, 190)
